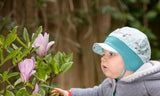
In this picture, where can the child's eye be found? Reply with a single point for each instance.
(103, 54)
(111, 54)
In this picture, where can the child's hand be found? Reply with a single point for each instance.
(60, 91)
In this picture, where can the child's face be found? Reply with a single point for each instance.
(112, 64)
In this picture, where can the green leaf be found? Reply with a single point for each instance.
(48, 58)
(1, 55)
(59, 59)
(44, 85)
(66, 67)
(158, 5)
(69, 58)
(35, 35)
(42, 73)
(151, 15)
(1, 40)
(119, 15)
(12, 54)
(12, 75)
(1, 92)
(14, 46)
(25, 52)
(38, 95)
(14, 61)
(10, 85)
(34, 81)
(18, 82)
(68, 63)
(22, 92)
(5, 75)
(53, 66)
(62, 63)
(42, 91)
(35, 49)
(26, 36)
(36, 75)
(11, 37)
(9, 93)
(21, 42)
(30, 85)
(130, 17)
(9, 49)
(135, 23)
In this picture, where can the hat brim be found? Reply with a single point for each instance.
(98, 48)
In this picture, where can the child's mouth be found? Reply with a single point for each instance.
(104, 67)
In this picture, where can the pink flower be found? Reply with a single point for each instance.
(36, 89)
(42, 41)
(26, 68)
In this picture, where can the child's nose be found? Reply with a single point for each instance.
(103, 59)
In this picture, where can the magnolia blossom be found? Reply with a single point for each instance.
(36, 89)
(26, 68)
(42, 41)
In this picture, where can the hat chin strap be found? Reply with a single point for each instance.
(122, 74)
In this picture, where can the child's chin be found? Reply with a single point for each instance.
(108, 76)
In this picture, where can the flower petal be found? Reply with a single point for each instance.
(38, 41)
(36, 89)
(49, 45)
(41, 41)
(26, 67)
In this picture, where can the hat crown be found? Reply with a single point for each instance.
(135, 40)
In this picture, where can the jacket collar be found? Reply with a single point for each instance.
(146, 69)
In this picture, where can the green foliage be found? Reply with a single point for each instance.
(26, 36)
(58, 64)
(47, 67)
(22, 92)
(9, 93)
(11, 55)
(62, 63)
(11, 37)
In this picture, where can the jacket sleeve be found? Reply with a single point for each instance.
(153, 87)
(95, 91)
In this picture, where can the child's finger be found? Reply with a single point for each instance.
(54, 91)
(60, 91)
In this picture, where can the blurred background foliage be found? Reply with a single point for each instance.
(76, 24)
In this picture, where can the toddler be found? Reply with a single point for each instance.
(126, 63)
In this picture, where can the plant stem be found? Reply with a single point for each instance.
(52, 77)
(1, 55)
(21, 42)
(4, 87)
(10, 68)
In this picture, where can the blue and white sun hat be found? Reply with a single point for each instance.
(132, 44)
